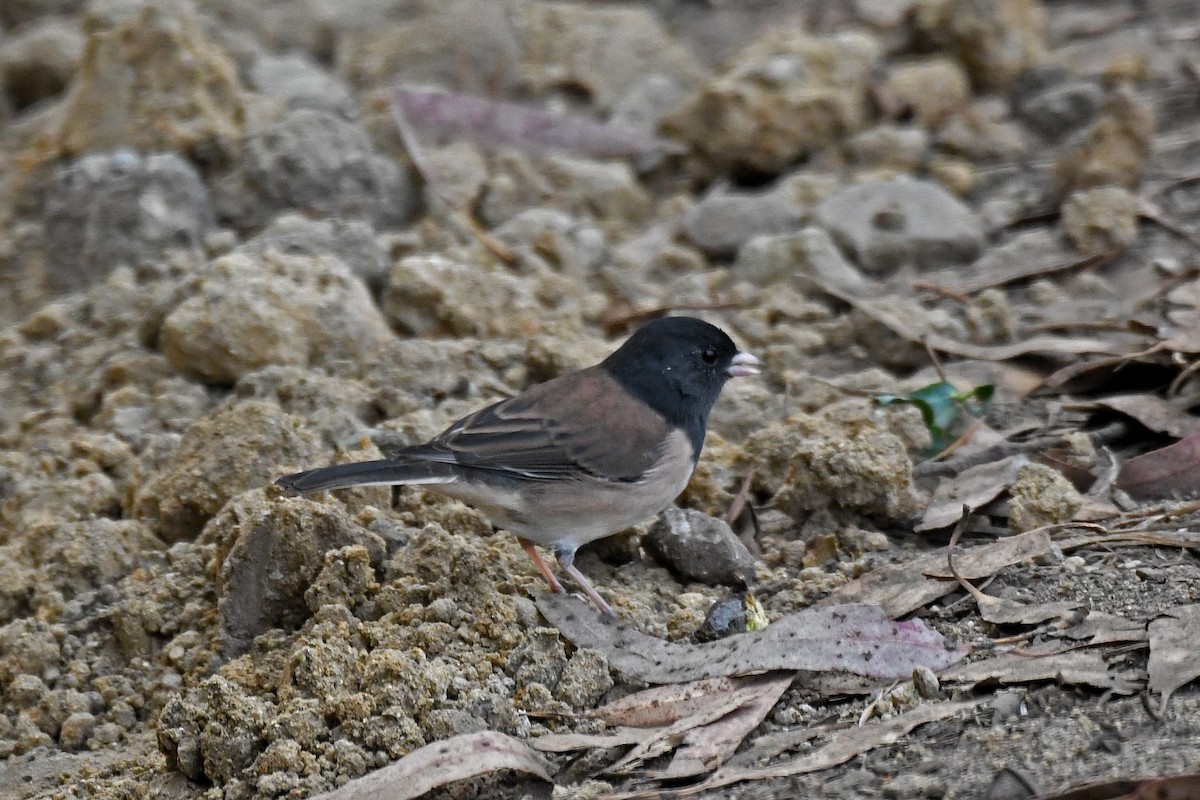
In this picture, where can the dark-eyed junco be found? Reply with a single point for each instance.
(580, 457)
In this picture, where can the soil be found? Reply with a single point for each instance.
(222, 262)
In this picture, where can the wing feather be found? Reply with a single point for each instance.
(582, 424)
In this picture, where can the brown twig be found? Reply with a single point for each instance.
(941, 291)
(1151, 213)
(926, 469)
(960, 442)
(1090, 260)
(935, 360)
(1183, 377)
(738, 504)
(969, 587)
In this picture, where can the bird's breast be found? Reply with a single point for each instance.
(580, 511)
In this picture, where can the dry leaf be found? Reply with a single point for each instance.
(1074, 666)
(842, 746)
(662, 705)
(1177, 537)
(664, 740)
(1149, 410)
(882, 310)
(1170, 471)
(566, 742)
(773, 744)
(457, 758)
(708, 739)
(974, 487)
(1174, 787)
(1050, 345)
(853, 638)
(704, 749)
(1174, 659)
(490, 123)
(1100, 627)
(1001, 611)
(903, 588)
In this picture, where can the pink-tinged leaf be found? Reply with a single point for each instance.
(457, 758)
(450, 115)
(1171, 471)
(856, 638)
(663, 705)
(706, 748)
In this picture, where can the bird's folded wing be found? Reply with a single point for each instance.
(579, 425)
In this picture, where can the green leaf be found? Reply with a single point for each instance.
(942, 406)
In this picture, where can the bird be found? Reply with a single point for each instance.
(580, 457)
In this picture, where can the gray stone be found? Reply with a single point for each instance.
(561, 242)
(108, 209)
(76, 730)
(884, 224)
(649, 101)
(699, 547)
(723, 221)
(1060, 106)
(319, 163)
(790, 257)
(644, 107)
(888, 147)
(351, 240)
(298, 82)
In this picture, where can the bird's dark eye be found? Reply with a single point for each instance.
(709, 355)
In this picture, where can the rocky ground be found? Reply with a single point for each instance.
(221, 262)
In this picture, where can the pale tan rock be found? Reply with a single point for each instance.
(850, 462)
(1100, 220)
(995, 41)
(248, 311)
(933, 88)
(238, 448)
(781, 97)
(1041, 496)
(155, 82)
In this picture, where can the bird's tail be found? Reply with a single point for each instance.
(385, 472)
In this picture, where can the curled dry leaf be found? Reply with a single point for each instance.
(662, 705)
(1149, 410)
(705, 739)
(842, 746)
(1070, 666)
(1100, 627)
(853, 638)
(903, 588)
(666, 739)
(424, 769)
(974, 487)
(1173, 787)
(1171, 471)
(1174, 660)
(882, 310)
(704, 749)
(1001, 610)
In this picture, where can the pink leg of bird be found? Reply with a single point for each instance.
(542, 566)
(567, 562)
(588, 589)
